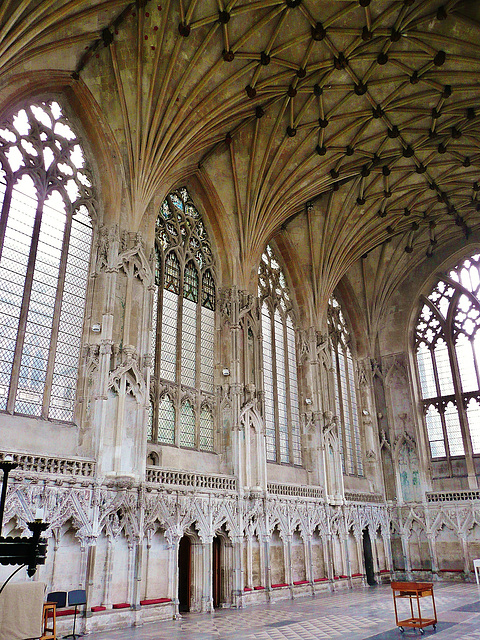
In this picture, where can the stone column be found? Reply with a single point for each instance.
(137, 573)
(406, 554)
(287, 559)
(387, 547)
(432, 548)
(148, 540)
(207, 574)
(130, 570)
(466, 553)
(249, 565)
(108, 573)
(238, 577)
(265, 562)
(173, 545)
(307, 545)
(360, 558)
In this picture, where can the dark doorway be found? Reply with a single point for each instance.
(217, 572)
(368, 557)
(184, 564)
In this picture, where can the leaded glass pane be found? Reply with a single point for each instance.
(166, 421)
(168, 354)
(206, 429)
(187, 426)
(39, 140)
(292, 373)
(190, 283)
(207, 337)
(466, 363)
(336, 390)
(454, 434)
(346, 410)
(180, 234)
(444, 371)
(268, 385)
(355, 425)
(71, 320)
(208, 291)
(473, 416)
(435, 432)
(189, 342)
(425, 371)
(13, 269)
(281, 388)
(172, 273)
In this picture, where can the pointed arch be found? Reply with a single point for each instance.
(447, 354)
(280, 378)
(47, 200)
(183, 339)
(344, 389)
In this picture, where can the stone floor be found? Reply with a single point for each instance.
(361, 614)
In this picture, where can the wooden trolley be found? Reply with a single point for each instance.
(414, 591)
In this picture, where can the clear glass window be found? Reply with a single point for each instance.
(447, 354)
(183, 327)
(280, 383)
(46, 198)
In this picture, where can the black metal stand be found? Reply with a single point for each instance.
(28, 552)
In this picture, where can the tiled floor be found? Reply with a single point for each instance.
(362, 614)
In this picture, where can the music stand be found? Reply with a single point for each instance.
(59, 598)
(76, 598)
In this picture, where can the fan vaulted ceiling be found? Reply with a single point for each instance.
(371, 106)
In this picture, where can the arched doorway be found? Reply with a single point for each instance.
(368, 557)
(184, 573)
(217, 572)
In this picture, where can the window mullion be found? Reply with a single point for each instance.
(158, 353)
(341, 417)
(198, 328)
(275, 386)
(7, 199)
(17, 358)
(467, 444)
(442, 408)
(56, 317)
(287, 390)
(350, 405)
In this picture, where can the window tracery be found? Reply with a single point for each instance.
(184, 327)
(280, 383)
(46, 203)
(447, 347)
(345, 390)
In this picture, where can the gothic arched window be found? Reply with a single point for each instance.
(280, 384)
(183, 327)
(46, 199)
(345, 390)
(447, 346)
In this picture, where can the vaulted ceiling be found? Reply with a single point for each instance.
(370, 109)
